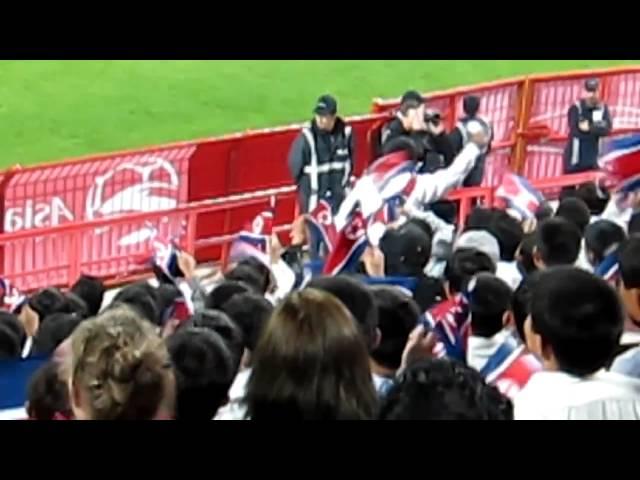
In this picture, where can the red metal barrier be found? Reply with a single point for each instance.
(58, 255)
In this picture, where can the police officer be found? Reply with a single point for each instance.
(589, 122)
(321, 157)
(459, 137)
(425, 128)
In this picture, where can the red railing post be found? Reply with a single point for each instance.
(523, 117)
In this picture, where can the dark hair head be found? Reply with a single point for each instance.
(501, 225)
(220, 323)
(578, 316)
(358, 300)
(525, 258)
(311, 363)
(222, 292)
(48, 301)
(410, 100)
(397, 316)
(47, 394)
(471, 105)
(204, 372)
(9, 342)
(601, 238)
(575, 211)
(479, 219)
(463, 265)
(250, 312)
(629, 262)
(248, 275)
(595, 201)
(544, 211)
(76, 305)
(121, 368)
(261, 269)
(522, 302)
(508, 232)
(142, 297)
(11, 321)
(91, 290)
(489, 299)
(444, 390)
(558, 242)
(53, 332)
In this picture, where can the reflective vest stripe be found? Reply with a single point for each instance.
(312, 169)
(347, 166)
(575, 144)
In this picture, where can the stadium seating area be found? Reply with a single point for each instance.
(483, 316)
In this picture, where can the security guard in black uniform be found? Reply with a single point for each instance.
(459, 137)
(589, 121)
(321, 157)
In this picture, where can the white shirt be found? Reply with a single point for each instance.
(560, 396)
(430, 187)
(509, 273)
(235, 409)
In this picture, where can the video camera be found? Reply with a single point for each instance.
(433, 117)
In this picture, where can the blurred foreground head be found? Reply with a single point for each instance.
(120, 369)
(311, 363)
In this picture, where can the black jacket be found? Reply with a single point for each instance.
(458, 141)
(434, 151)
(334, 153)
(582, 149)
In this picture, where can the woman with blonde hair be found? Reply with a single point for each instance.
(120, 369)
(311, 363)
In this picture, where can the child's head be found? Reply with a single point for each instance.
(47, 394)
(576, 321)
(490, 304)
(203, 367)
(575, 211)
(522, 302)
(223, 292)
(91, 290)
(462, 266)
(524, 255)
(557, 243)
(602, 238)
(249, 312)
(397, 316)
(358, 299)
(629, 286)
(437, 389)
(55, 330)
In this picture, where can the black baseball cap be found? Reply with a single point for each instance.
(592, 85)
(412, 96)
(326, 105)
(406, 249)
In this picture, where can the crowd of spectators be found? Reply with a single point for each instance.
(504, 319)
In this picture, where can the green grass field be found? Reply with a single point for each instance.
(50, 110)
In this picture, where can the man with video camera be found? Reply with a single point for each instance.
(425, 128)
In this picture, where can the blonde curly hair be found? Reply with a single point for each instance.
(120, 369)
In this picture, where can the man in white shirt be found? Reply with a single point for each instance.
(574, 328)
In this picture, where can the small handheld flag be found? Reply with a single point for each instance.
(350, 244)
(621, 163)
(519, 195)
